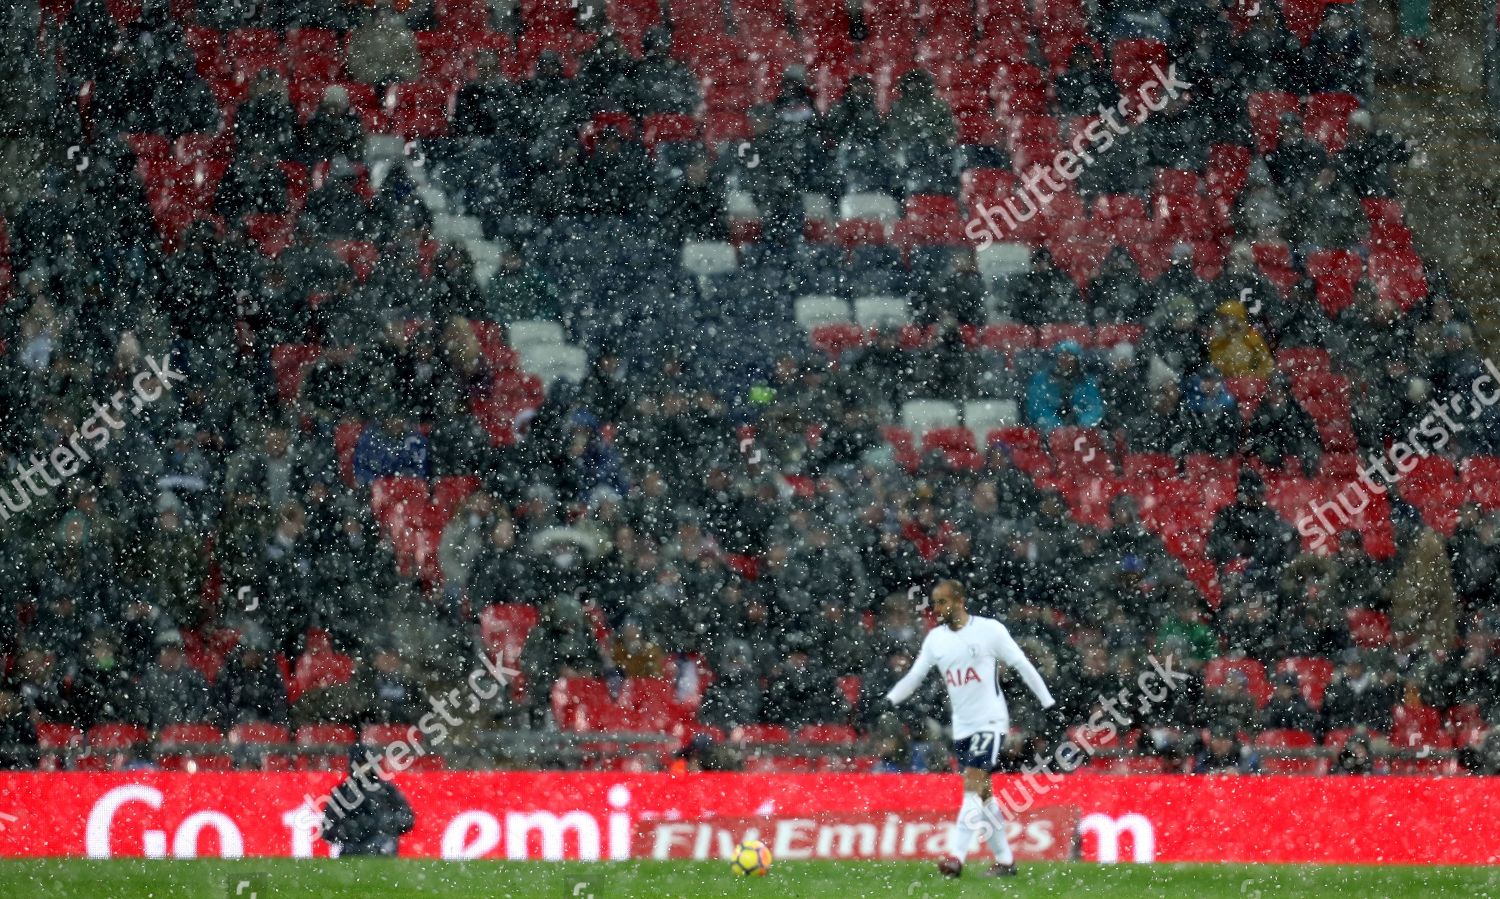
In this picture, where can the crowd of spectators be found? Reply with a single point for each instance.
(628, 498)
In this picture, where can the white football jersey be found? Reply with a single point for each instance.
(968, 658)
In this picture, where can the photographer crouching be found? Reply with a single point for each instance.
(372, 817)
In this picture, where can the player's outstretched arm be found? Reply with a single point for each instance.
(1009, 652)
(913, 679)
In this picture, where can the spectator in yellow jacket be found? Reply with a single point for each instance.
(1236, 348)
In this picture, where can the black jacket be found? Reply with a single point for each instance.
(372, 821)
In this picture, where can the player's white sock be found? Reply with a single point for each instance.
(970, 814)
(998, 842)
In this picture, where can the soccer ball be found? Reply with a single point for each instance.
(751, 859)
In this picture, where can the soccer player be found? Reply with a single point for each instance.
(966, 648)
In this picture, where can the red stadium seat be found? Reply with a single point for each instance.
(504, 626)
(1132, 61)
(1108, 336)
(345, 436)
(319, 668)
(652, 704)
(1335, 739)
(1177, 182)
(250, 50)
(386, 494)
(1302, 765)
(849, 685)
(583, 704)
(1302, 17)
(1369, 629)
(1384, 210)
(1024, 446)
(1216, 672)
(1285, 739)
(1049, 336)
(859, 232)
(177, 736)
(837, 338)
(1430, 470)
(1266, 109)
(1327, 120)
(272, 233)
(1272, 255)
(451, 490)
(1228, 169)
(1007, 338)
(1303, 360)
(665, 128)
(53, 736)
(1153, 257)
(1247, 392)
(827, 734)
(1481, 481)
(384, 734)
(324, 736)
(1466, 724)
(957, 445)
(1079, 450)
(754, 734)
(1415, 726)
(207, 54)
(359, 255)
(1149, 465)
(115, 737)
(152, 148)
(1342, 264)
(192, 763)
(986, 185)
(1140, 765)
(1398, 277)
(290, 362)
(462, 15)
(55, 743)
(259, 734)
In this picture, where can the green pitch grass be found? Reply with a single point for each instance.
(380, 879)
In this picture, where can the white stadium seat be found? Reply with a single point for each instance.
(984, 416)
(818, 309)
(740, 204)
(486, 256)
(533, 331)
(455, 227)
(436, 200)
(705, 258)
(817, 208)
(1002, 260)
(551, 361)
(870, 206)
(877, 312)
(384, 146)
(921, 416)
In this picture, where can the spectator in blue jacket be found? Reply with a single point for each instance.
(1216, 414)
(389, 449)
(1062, 393)
(592, 464)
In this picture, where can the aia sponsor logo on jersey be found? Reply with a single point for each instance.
(957, 677)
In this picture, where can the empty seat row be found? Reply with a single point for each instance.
(867, 312)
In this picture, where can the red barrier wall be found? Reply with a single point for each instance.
(599, 816)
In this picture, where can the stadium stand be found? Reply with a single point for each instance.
(664, 362)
